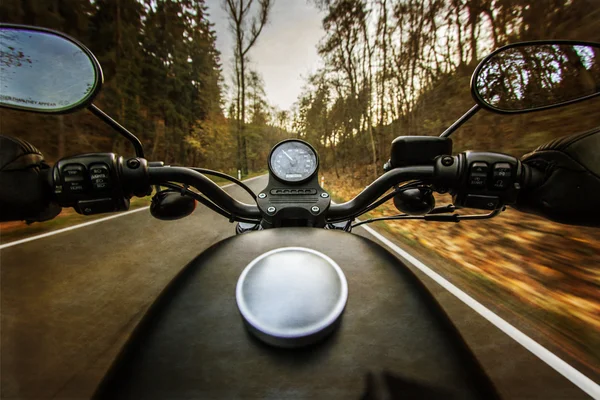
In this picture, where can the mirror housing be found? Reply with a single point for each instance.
(537, 75)
(45, 71)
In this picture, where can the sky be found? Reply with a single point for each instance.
(285, 53)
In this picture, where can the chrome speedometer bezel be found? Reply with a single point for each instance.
(288, 182)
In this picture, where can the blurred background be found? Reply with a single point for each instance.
(376, 69)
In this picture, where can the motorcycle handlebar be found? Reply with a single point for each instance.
(378, 188)
(158, 175)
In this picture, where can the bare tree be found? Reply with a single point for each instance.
(246, 33)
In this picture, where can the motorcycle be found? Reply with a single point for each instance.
(294, 305)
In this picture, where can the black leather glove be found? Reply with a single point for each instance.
(569, 189)
(24, 190)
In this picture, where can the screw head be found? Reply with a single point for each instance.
(447, 161)
(324, 195)
(262, 195)
(133, 163)
(271, 209)
(315, 209)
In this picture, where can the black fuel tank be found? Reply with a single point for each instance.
(394, 341)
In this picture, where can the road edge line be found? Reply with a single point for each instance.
(559, 365)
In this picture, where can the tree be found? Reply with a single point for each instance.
(246, 33)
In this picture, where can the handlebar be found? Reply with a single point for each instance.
(187, 176)
(378, 188)
(104, 182)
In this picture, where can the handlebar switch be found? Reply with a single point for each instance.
(485, 180)
(502, 176)
(91, 183)
(74, 178)
(100, 177)
(478, 175)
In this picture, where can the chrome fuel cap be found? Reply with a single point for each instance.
(292, 296)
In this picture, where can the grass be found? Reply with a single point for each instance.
(17, 230)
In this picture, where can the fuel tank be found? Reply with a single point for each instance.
(393, 341)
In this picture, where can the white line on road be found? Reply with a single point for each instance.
(70, 228)
(579, 379)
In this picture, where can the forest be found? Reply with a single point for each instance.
(395, 68)
(163, 80)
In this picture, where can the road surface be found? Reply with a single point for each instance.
(68, 302)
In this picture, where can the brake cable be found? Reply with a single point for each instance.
(226, 177)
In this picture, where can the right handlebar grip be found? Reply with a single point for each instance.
(532, 177)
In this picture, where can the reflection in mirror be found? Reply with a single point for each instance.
(534, 76)
(41, 71)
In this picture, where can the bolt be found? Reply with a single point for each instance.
(271, 209)
(324, 195)
(133, 163)
(447, 161)
(262, 196)
(315, 209)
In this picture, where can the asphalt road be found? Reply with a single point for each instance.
(69, 301)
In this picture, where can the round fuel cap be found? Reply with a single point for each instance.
(292, 296)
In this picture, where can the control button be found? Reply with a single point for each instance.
(75, 187)
(99, 169)
(482, 202)
(100, 177)
(479, 167)
(73, 173)
(502, 176)
(87, 207)
(478, 175)
(100, 185)
(477, 180)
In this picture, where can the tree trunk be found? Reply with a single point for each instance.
(243, 118)
(160, 130)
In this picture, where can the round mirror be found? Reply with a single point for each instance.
(537, 75)
(45, 71)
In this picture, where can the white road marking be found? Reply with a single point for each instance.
(579, 379)
(70, 228)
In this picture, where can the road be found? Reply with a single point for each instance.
(68, 302)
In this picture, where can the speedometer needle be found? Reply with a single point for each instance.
(288, 156)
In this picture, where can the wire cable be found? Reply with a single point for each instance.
(227, 177)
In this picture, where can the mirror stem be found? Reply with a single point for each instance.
(457, 124)
(137, 145)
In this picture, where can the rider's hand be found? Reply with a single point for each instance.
(24, 193)
(569, 192)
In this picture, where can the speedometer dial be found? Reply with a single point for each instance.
(293, 161)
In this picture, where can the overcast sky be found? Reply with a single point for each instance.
(285, 52)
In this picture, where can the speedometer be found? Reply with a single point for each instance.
(293, 161)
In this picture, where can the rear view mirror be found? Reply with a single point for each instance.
(45, 71)
(533, 76)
